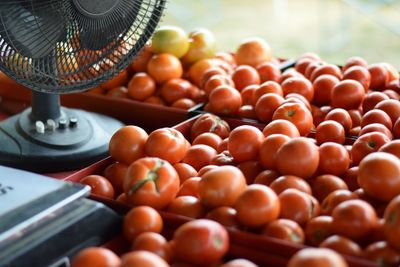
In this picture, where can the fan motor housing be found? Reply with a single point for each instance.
(95, 8)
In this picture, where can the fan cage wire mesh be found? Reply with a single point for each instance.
(69, 66)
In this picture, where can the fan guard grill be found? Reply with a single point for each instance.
(49, 46)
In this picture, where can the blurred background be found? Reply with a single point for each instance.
(335, 29)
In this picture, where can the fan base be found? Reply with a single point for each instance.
(62, 149)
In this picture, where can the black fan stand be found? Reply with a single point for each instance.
(51, 138)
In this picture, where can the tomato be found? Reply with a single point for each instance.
(250, 170)
(223, 158)
(325, 184)
(376, 116)
(155, 100)
(163, 67)
(143, 259)
(247, 112)
(175, 89)
(188, 206)
(354, 61)
(311, 67)
(141, 219)
(354, 219)
(285, 230)
(216, 81)
(379, 76)
(382, 254)
(115, 174)
(376, 127)
(290, 73)
(302, 64)
(253, 52)
(330, 131)
(333, 159)
(118, 92)
(392, 94)
(326, 69)
(206, 169)
(350, 178)
(266, 106)
(225, 216)
(209, 139)
(210, 123)
(341, 116)
(318, 229)
(199, 156)
(244, 76)
(127, 144)
(297, 98)
(96, 257)
(281, 127)
(282, 183)
(378, 233)
(269, 72)
(99, 185)
(335, 198)
(119, 80)
(200, 242)
(359, 74)
(323, 86)
(372, 99)
(392, 222)
(239, 263)
(141, 86)
(342, 245)
(185, 171)
(269, 149)
(266, 177)
(393, 148)
(198, 69)
(266, 88)
(170, 39)
(248, 94)
(298, 206)
(317, 257)
(139, 64)
(257, 205)
(221, 186)
(347, 94)
(311, 55)
(379, 176)
(300, 86)
(153, 242)
(390, 107)
(225, 100)
(244, 143)
(299, 157)
(166, 143)
(296, 114)
(366, 144)
(122, 198)
(151, 181)
(210, 73)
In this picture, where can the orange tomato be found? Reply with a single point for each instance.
(266, 106)
(225, 100)
(347, 94)
(341, 116)
(209, 139)
(285, 230)
(199, 156)
(392, 222)
(335, 198)
(284, 182)
(265, 88)
(253, 52)
(268, 72)
(244, 76)
(143, 259)
(382, 254)
(342, 245)
(190, 187)
(325, 184)
(185, 171)
(210, 123)
(96, 257)
(333, 159)
(115, 173)
(300, 86)
(118, 92)
(318, 257)
(326, 69)
(154, 243)
(318, 229)
(225, 216)
(175, 89)
(244, 143)
(188, 206)
(323, 86)
(281, 127)
(141, 86)
(354, 61)
(139, 220)
(99, 185)
(330, 131)
(371, 99)
(163, 67)
(297, 114)
(379, 76)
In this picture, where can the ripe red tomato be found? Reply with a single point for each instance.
(225, 216)
(199, 156)
(244, 143)
(247, 112)
(390, 107)
(333, 159)
(396, 128)
(141, 219)
(166, 143)
(266, 177)
(326, 69)
(269, 149)
(341, 116)
(239, 263)
(245, 75)
(250, 169)
(379, 76)
(392, 222)
(151, 181)
(335, 198)
(175, 89)
(209, 139)
(141, 86)
(302, 64)
(376, 116)
(248, 94)
(297, 114)
(210, 123)
(268, 72)
(382, 254)
(311, 67)
(376, 127)
(143, 259)
(267, 88)
(190, 187)
(115, 174)
(393, 148)
(323, 86)
(325, 184)
(285, 230)
(347, 94)
(342, 245)
(153, 242)
(299, 157)
(188, 206)
(330, 131)
(96, 257)
(354, 219)
(318, 229)
(99, 185)
(221, 186)
(371, 99)
(216, 81)
(200, 242)
(359, 74)
(366, 144)
(281, 127)
(185, 171)
(225, 100)
(257, 205)
(223, 158)
(354, 61)
(284, 182)
(127, 144)
(318, 257)
(266, 106)
(300, 86)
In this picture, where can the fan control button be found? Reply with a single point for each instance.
(62, 124)
(40, 128)
(51, 125)
(73, 122)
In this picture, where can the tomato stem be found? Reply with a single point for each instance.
(152, 176)
(290, 113)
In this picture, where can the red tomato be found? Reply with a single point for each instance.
(281, 127)
(247, 112)
(366, 144)
(376, 127)
(216, 81)
(250, 170)
(141, 219)
(266, 106)
(268, 72)
(333, 159)
(318, 257)
(347, 94)
(210, 73)
(326, 69)
(245, 75)
(118, 92)
(225, 216)
(359, 74)
(151, 181)
(200, 242)
(141, 86)
(382, 254)
(99, 185)
(325, 184)
(183, 103)
(209, 139)
(199, 156)
(297, 114)
(311, 67)
(244, 143)
(354, 61)
(267, 88)
(248, 94)
(300, 86)
(166, 143)
(266, 177)
(210, 123)
(188, 206)
(127, 144)
(341, 116)
(96, 257)
(221, 186)
(318, 229)
(302, 64)
(185, 171)
(143, 259)
(115, 173)
(342, 245)
(390, 107)
(153, 242)
(393, 148)
(190, 187)
(223, 158)
(371, 99)
(396, 128)
(379, 76)
(335, 198)
(239, 263)
(225, 100)
(285, 230)
(269, 149)
(392, 222)
(379, 176)
(284, 182)
(330, 131)
(223, 146)
(299, 157)
(323, 86)
(376, 116)
(354, 219)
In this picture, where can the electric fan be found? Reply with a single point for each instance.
(65, 46)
